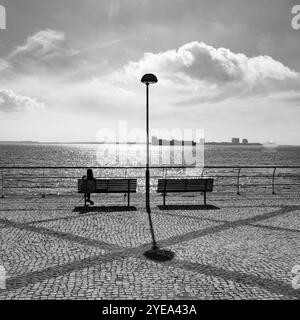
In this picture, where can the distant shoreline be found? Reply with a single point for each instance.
(226, 144)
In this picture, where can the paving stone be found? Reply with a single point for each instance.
(241, 247)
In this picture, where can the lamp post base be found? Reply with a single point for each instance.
(159, 254)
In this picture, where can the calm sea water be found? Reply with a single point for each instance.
(103, 155)
(61, 181)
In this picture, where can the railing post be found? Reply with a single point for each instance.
(166, 173)
(238, 182)
(43, 184)
(202, 172)
(2, 185)
(273, 181)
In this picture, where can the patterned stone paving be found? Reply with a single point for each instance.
(238, 247)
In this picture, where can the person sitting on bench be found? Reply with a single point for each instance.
(89, 180)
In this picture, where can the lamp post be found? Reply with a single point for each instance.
(155, 253)
(148, 79)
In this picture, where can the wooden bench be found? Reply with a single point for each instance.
(107, 186)
(184, 185)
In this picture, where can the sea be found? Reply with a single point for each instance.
(37, 168)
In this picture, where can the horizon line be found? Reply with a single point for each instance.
(129, 142)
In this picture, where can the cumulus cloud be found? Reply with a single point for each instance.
(216, 73)
(12, 102)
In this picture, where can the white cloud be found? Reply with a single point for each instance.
(215, 73)
(12, 102)
(40, 43)
(46, 52)
(3, 64)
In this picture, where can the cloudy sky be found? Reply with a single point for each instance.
(69, 68)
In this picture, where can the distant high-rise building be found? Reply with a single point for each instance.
(235, 140)
(245, 141)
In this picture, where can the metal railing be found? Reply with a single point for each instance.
(22, 179)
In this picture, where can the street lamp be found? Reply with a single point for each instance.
(147, 79)
(155, 253)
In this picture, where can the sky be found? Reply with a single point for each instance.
(71, 68)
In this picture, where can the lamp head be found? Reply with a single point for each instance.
(149, 78)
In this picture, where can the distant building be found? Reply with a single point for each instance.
(154, 141)
(235, 140)
(245, 141)
(173, 142)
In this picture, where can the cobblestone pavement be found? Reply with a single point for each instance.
(237, 247)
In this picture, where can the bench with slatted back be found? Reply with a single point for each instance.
(125, 186)
(184, 185)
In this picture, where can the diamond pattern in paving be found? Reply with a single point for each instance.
(235, 248)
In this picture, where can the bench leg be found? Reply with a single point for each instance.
(164, 199)
(85, 199)
(205, 198)
(128, 199)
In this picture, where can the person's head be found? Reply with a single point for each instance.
(89, 174)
